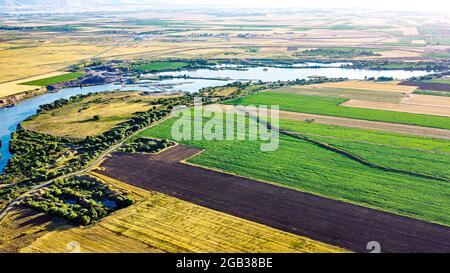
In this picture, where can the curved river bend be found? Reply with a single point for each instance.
(11, 117)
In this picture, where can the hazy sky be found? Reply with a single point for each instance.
(407, 5)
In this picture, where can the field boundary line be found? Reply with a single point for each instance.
(359, 159)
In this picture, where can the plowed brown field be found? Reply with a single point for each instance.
(334, 222)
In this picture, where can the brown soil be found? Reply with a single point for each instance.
(334, 222)
(428, 86)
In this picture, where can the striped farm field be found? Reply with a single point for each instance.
(304, 166)
(160, 223)
(331, 106)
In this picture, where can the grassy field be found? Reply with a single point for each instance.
(393, 150)
(330, 106)
(56, 79)
(368, 136)
(432, 93)
(393, 157)
(159, 66)
(441, 80)
(77, 119)
(304, 166)
(159, 223)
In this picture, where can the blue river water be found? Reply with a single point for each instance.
(10, 118)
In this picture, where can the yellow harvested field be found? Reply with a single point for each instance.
(418, 42)
(368, 85)
(359, 94)
(22, 226)
(14, 87)
(162, 223)
(77, 119)
(427, 100)
(135, 49)
(407, 31)
(398, 54)
(224, 91)
(400, 107)
(27, 61)
(95, 239)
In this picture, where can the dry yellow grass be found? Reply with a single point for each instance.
(427, 100)
(76, 119)
(22, 226)
(367, 85)
(163, 223)
(224, 91)
(400, 107)
(418, 42)
(409, 31)
(24, 61)
(399, 54)
(360, 94)
(14, 87)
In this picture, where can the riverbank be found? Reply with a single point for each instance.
(10, 101)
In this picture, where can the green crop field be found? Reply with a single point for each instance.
(432, 93)
(301, 165)
(55, 80)
(368, 136)
(391, 150)
(160, 66)
(393, 157)
(441, 80)
(330, 106)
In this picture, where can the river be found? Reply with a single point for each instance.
(11, 117)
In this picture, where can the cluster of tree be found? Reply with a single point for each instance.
(393, 65)
(35, 154)
(146, 145)
(338, 52)
(384, 79)
(80, 199)
(62, 102)
(191, 64)
(431, 76)
(9, 193)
